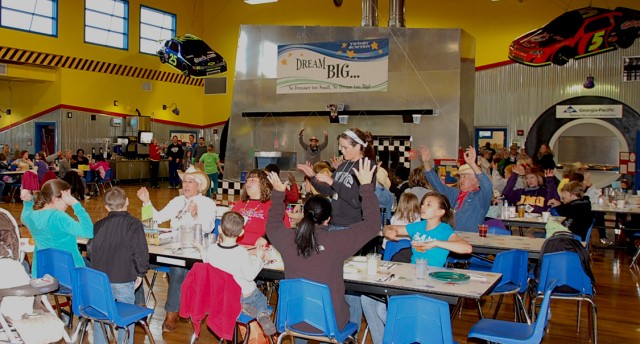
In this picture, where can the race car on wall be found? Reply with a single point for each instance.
(577, 34)
(192, 56)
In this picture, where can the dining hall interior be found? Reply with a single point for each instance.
(109, 88)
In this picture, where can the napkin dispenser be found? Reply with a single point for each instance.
(158, 237)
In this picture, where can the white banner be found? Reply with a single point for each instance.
(588, 111)
(333, 67)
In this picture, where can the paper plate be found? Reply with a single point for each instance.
(449, 276)
(359, 259)
(351, 270)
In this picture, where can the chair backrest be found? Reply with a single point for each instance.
(301, 300)
(108, 174)
(57, 263)
(92, 295)
(392, 247)
(587, 238)
(513, 265)
(565, 268)
(417, 319)
(498, 231)
(543, 315)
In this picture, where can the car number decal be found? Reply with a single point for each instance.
(596, 40)
(173, 60)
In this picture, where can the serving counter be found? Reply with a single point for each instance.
(137, 169)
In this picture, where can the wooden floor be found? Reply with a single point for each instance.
(617, 299)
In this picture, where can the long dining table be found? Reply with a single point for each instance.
(392, 278)
(494, 244)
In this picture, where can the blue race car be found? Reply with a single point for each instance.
(192, 56)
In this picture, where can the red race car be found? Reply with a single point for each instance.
(577, 34)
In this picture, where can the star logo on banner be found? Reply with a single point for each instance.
(344, 45)
(351, 53)
(374, 45)
(284, 62)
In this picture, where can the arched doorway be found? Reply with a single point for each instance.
(593, 141)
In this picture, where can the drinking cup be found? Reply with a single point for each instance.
(545, 216)
(186, 236)
(421, 268)
(373, 260)
(621, 203)
(512, 211)
(198, 233)
(208, 240)
(175, 233)
(482, 230)
(521, 211)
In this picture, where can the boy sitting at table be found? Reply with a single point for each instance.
(119, 249)
(235, 260)
(576, 208)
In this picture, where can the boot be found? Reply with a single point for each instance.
(169, 324)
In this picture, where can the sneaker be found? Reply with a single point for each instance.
(267, 325)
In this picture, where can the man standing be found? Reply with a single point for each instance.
(174, 154)
(190, 146)
(200, 149)
(471, 202)
(312, 150)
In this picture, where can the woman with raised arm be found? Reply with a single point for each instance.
(313, 252)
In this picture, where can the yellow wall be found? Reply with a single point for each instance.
(494, 24)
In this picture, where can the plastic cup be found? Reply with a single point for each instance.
(621, 203)
(209, 239)
(373, 260)
(521, 211)
(512, 211)
(421, 268)
(482, 230)
(545, 216)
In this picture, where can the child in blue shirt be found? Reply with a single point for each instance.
(432, 238)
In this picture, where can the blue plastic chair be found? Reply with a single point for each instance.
(505, 332)
(392, 247)
(566, 269)
(417, 319)
(513, 265)
(304, 301)
(93, 300)
(59, 264)
(150, 293)
(479, 263)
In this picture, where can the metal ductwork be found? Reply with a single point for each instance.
(396, 13)
(369, 13)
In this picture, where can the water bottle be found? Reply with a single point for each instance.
(505, 209)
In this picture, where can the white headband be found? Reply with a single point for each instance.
(355, 137)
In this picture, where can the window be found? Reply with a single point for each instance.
(155, 28)
(40, 16)
(106, 22)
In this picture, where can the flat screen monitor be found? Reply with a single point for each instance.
(146, 137)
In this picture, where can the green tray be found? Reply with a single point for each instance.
(449, 276)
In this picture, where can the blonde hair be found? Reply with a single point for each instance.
(575, 188)
(408, 208)
(115, 198)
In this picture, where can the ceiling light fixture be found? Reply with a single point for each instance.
(258, 2)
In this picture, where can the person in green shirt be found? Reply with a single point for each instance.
(212, 168)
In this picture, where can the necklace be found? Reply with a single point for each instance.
(244, 210)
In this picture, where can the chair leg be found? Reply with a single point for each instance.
(578, 317)
(145, 326)
(521, 309)
(635, 259)
(480, 314)
(150, 286)
(497, 310)
(280, 337)
(364, 336)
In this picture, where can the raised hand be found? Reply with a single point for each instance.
(425, 154)
(336, 161)
(470, 156)
(549, 173)
(324, 178)
(274, 179)
(365, 171)
(519, 170)
(301, 132)
(307, 169)
(68, 198)
(25, 195)
(143, 194)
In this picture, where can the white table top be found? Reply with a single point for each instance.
(628, 209)
(496, 243)
(403, 279)
(535, 222)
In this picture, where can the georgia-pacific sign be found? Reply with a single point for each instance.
(333, 67)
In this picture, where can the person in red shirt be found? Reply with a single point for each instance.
(154, 165)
